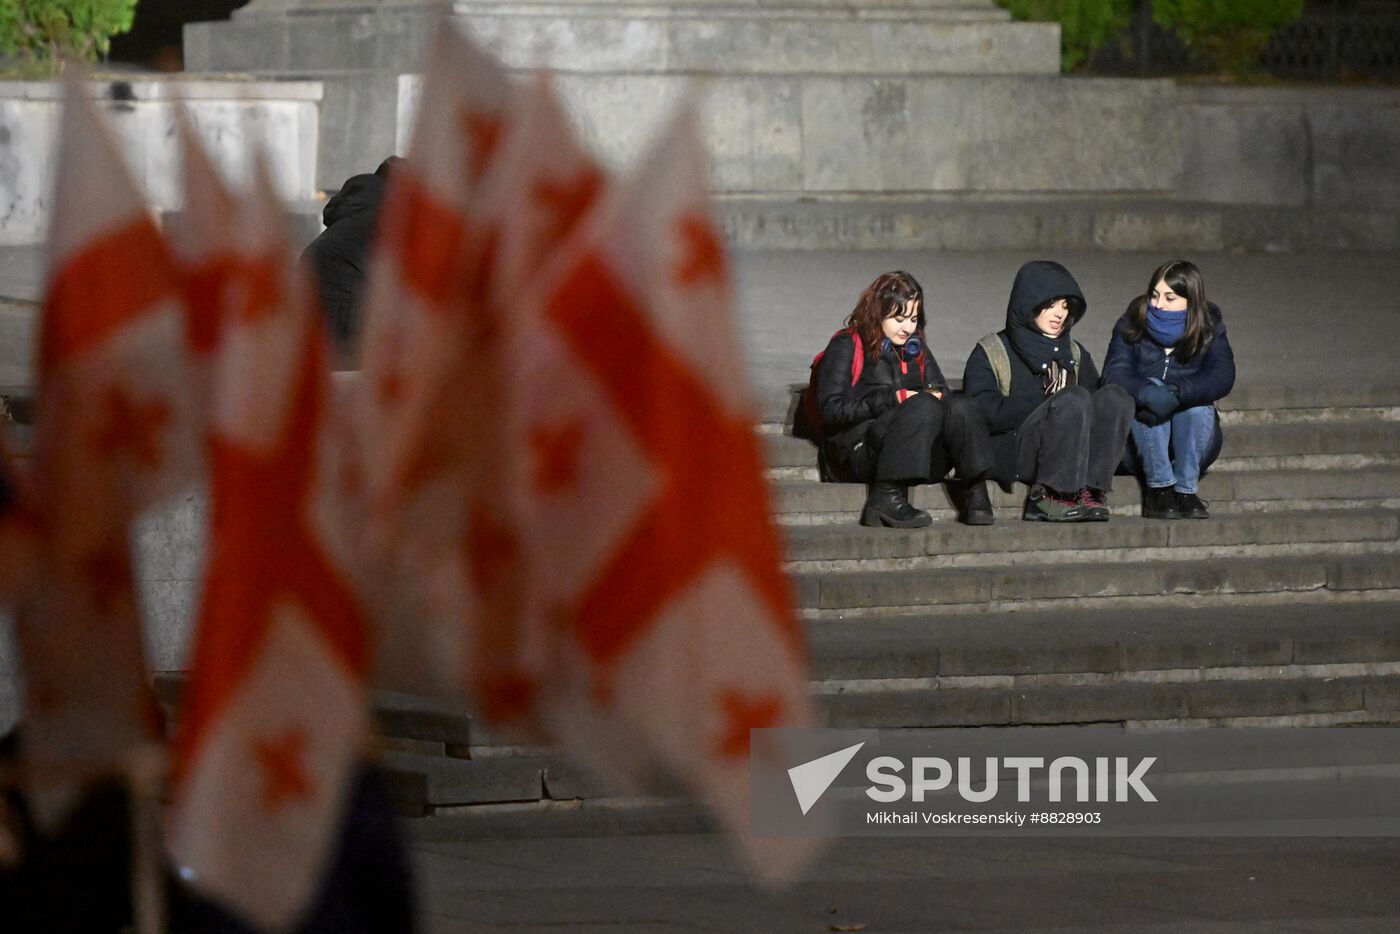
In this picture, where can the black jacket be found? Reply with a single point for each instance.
(848, 410)
(339, 257)
(1205, 379)
(1036, 284)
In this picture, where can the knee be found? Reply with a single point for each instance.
(1071, 398)
(961, 408)
(1114, 398)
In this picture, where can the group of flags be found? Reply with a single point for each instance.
(542, 492)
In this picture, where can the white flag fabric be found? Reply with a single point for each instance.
(423, 286)
(543, 184)
(641, 510)
(116, 431)
(275, 712)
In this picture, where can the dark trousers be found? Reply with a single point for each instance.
(922, 438)
(1075, 438)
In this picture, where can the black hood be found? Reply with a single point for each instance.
(359, 196)
(1039, 283)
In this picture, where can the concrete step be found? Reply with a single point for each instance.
(932, 220)
(948, 544)
(1089, 645)
(1318, 577)
(810, 502)
(1248, 404)
(1250, 445)
(1311, 701)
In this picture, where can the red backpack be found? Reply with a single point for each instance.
(807, 423)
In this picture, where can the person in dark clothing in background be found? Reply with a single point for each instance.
(1052, 427)
(886, 415)
(1170, 353)
(339, 256)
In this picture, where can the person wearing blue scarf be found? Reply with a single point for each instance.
(1171, 353)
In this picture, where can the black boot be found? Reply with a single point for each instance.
(888, 505)
(973, 501)
(1160, 503)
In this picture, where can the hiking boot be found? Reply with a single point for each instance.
(888, 506)
(1046, 505)
(1160, 503)
(1095, 506)
(1191, 506)
(976, 504)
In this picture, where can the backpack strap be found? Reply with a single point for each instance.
(858, 361)
(1001, 363)
(1076, 351)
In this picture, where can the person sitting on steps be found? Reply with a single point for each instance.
(1051, 426)
(1170, 353)
(886, 417)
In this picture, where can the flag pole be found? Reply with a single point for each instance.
(146, 775)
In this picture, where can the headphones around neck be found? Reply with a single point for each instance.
(913, 347)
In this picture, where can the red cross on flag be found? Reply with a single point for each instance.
(545, 183)
(275, 713)
(203, 242)
(115, 432)
(412, 418)
(420, 291)
(641, 509)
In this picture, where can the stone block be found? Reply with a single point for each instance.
(1100, 703)
(1370, 483)
(913, 709)
(1363, 572)
(170, 542)
(1219, 647)
(986, 134)
(404, 716)
(846, 543)
(1040, 653)
(1354, 148)
(434, 781)
(1186, 229)
(229, 115)
(1049, 582)
(1037, 537)
(1284, 528)
(1217, 699)
(894, 589)
(168, 609)
(1234, 153)
(251, 45)
(1243, 576)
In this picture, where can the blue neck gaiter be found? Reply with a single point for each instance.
(1166, 327)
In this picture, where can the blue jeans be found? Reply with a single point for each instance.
(1172, 452)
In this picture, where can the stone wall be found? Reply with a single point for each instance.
(1326, 147)
(232, 117)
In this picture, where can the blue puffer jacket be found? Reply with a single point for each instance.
(1205, 379)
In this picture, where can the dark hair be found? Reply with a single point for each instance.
(387, 166)
(1183, 278)
(884, 298)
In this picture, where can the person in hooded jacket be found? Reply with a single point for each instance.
(1170, 353)
(339, 256)
(887, 416)
(1052, 427)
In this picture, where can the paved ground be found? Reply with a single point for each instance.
(1311, 318)
(692, 884)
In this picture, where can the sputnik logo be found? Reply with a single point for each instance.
(810, 780)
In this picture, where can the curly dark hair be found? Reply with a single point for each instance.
(884, 298)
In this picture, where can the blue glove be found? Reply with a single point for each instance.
(1157, 402)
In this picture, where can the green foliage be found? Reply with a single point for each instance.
(1084, 24)
(41, 34)
(1229, 34)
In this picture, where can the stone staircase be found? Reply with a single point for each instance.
(1282, 609)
